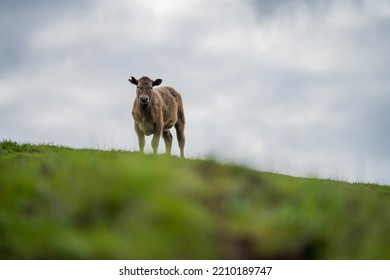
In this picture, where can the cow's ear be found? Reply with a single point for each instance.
(133, 80)
(157, 82)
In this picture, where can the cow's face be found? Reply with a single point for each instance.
(144, 89)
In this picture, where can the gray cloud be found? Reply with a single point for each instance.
(298, 87)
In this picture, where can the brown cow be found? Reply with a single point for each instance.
(155, 111)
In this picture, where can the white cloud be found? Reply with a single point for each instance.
(287, 88)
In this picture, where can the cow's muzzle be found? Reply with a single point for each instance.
(144, 101)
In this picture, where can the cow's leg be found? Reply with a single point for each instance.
(141, 138)
(168, 141)
(156, 138)
(180, 137)
(155, 142)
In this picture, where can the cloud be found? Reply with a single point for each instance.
(291, 86)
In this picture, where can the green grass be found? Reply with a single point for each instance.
(61, 203)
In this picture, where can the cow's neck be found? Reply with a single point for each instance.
(145, 112)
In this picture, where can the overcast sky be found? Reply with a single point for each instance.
(295, 86)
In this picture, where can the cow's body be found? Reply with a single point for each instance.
(155, 111)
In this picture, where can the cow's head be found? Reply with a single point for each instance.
(144, 89)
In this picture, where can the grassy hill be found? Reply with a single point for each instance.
(61, 203)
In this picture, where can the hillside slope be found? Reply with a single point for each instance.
(61, 203)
